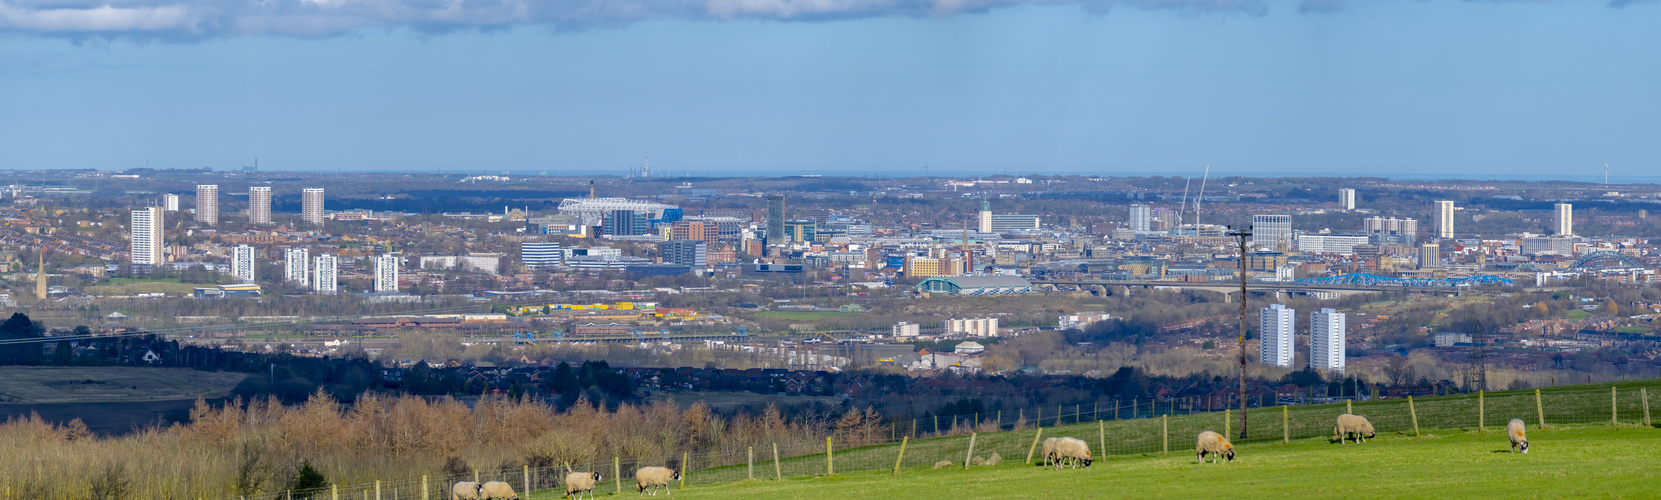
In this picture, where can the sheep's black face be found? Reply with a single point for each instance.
(596, 476)
(1229, 455)
(676, 476)
(1087, 463)
(1372, 435)
(1525, 446)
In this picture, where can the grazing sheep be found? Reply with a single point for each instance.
(1356, 424)
(1216, 444)
(497, 490)
(653, 477)
(1518, 438)
(466, 490)
(1049, 449)
(942, 464)
(1074, 451)
(577, 483)
(995, 459)
(977, 461)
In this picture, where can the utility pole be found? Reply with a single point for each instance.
(1241, 236)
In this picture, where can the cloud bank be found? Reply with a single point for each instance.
(202, 19)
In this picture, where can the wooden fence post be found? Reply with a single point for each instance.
(683, 470)
(830, 462)
(778, 474)
(475, 475)
(1034, 447)
(1096, 410)
(751, 460)
(1115, 408)
(334, 492)
(527, 479)
(1228, 427)
(1481, 412)
(1643, 394)
(971, 455)
(1101, 436)
(377, 489)
(424, 492)
(1612, 419)
(900, 458)
(1058, 415)
(617, 473)
(1415, 414)
(1539, 409)
(1285, 426)
(1348, 407)
(937, 425)
(1165, 434)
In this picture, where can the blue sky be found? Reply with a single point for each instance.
(1401, 87)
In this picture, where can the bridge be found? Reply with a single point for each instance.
(1347, 284)
(1604, 259)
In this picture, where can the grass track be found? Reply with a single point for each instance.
(1597, 462)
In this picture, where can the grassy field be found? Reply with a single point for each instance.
(130, 287)
(1595, 462)
(804, 315)
(23, 384)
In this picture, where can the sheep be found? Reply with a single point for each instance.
(942, 464)
(497, 490)
(977, 461)
(1518, 439)
(1074, 451)
(1214, 443)
(466, 490)
(577, 483)
(994, 460)
(653, 477)
(1049, 449)
(1356, 424)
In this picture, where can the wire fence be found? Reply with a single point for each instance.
(1111, 428)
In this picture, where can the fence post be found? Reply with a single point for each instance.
(475, 475)
(617, 473)
(1228, 427)
(1643, 393)
(377, 489)
(1020, 417)
(1058, 415)
(1101, 436)
(1481, 412)
(937, 425)
(1115, 408)
(778, 474)
(1000, 420)
(527, 480)
(900, 458)
(1539, 409)
(424, 495)
(683, 470)
(971, 455)
(1285, 426)
(751, 460)
(334, 492)
(1165, 434)
(1096, 410)
(1078, 414)
(1034, 447)
(830, 461)
(1349, 408)
(1415, 414)
(1612, 420)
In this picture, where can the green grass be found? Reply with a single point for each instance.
(805, 315)
(1597, 462)
(1577, 315)
(1633, 329)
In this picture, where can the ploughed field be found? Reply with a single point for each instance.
(1587, 460)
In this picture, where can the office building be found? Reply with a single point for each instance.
(1141, 218)
(1276, 323)
(541, 254)
(1005, 223)
(259, 205)
(625, 223)
(1346, 199)
(1326, 340)
(1430, 256)
(1330, 243)
(799, 231)
(904, 329)
(324, 280)
(386, 272)
(1272, 231)
(297, 265)
(692, 253)
(1536, 246)
(775, 219)
(985, 220)
(1562, 220)
(242, 263)
(207, 204)
(311, 205)
(171, 201)
(973, 327)
(1441, 219)
(147, 236)
(1391, 231)
(701, 230)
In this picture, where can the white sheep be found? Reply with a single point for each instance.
(1356, 424)
(465, 490)
(1519, 439)
(994, 460)
(653, 477)
(497, 490)
(942, 464)
(1071, 450)
(1049, 449)
(577, 483)
(1216, 444)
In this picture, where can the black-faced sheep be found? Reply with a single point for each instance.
(1353, 424)
(1073, 451)
(497, 490)
(577, 483)
(1519, 439)
(466, 490)
(653, 477)
(1215, 444)
(1049, 450)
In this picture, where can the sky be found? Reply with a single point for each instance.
(837, 87)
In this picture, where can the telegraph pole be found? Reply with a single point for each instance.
(1241, 236)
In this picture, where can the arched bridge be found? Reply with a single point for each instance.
(1602, 257)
